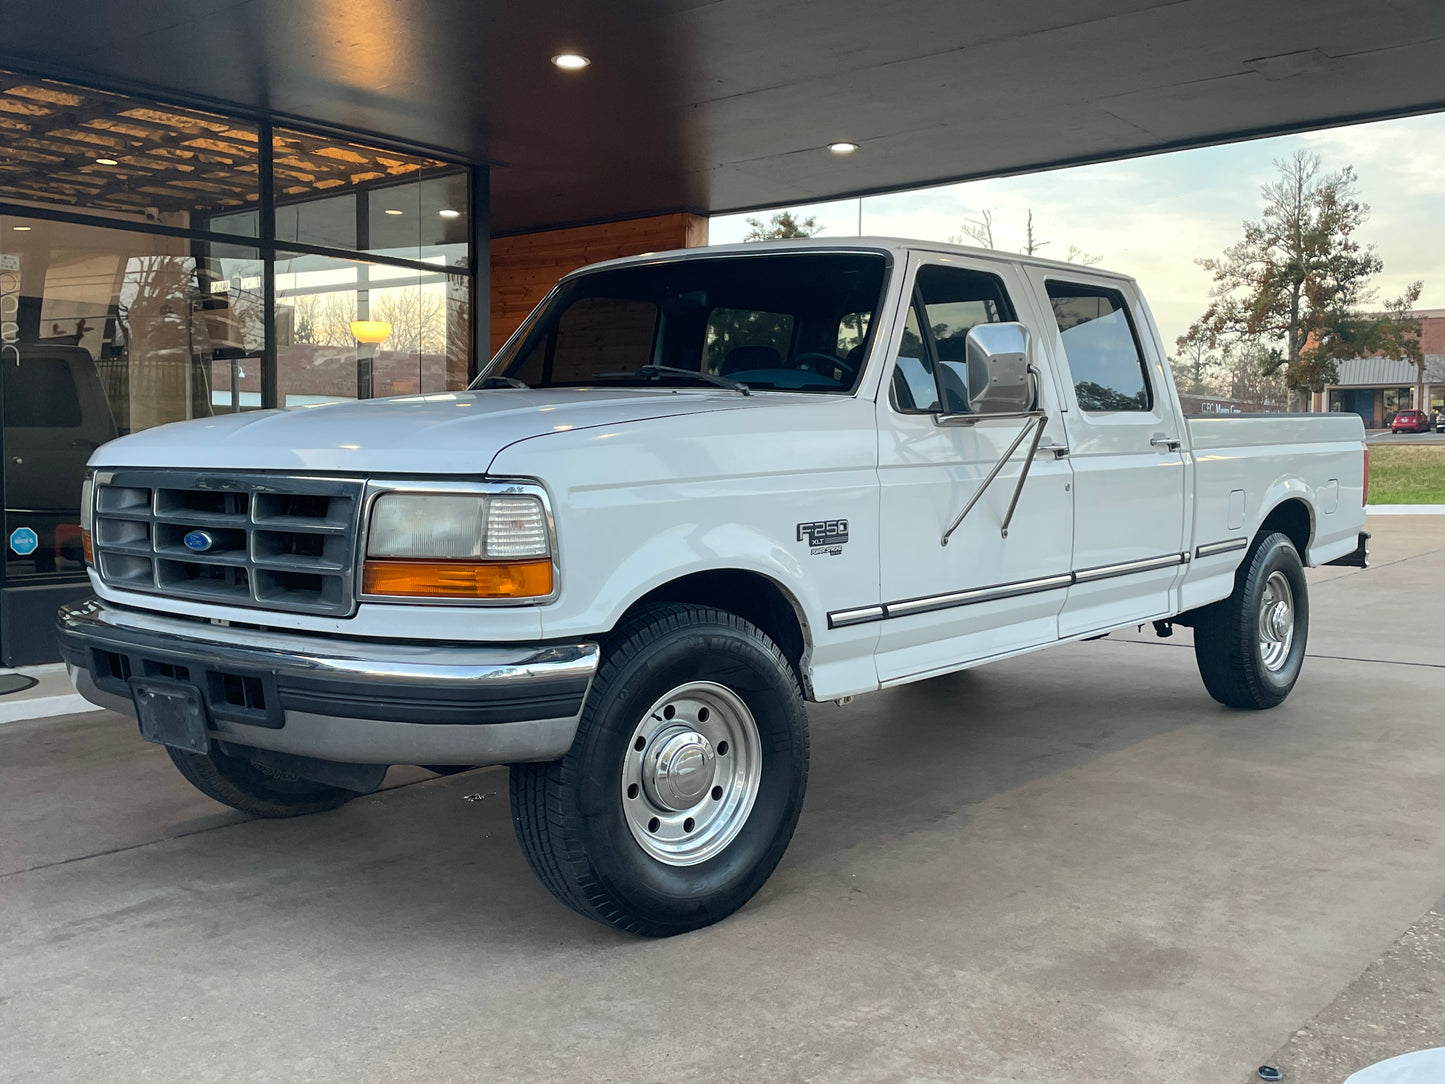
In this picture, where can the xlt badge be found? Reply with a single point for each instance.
(824, 536)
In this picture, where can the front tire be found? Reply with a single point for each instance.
(1250, 647)
(252, 789)
(685, 781)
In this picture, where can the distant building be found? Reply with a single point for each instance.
(1377, 388)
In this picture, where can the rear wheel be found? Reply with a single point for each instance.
(253, 789)
(683, 786)
(1250, 647)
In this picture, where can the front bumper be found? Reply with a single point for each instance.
(355, 701)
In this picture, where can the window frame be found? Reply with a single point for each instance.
(919, 308)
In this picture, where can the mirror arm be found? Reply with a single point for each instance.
(1023, 477)
(1036, 424)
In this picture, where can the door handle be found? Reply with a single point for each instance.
(1170, 444)
(1059, 451)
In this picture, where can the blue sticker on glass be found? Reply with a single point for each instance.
(24, 541)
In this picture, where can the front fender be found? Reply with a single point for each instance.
(681, 550)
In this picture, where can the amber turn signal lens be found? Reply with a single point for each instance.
(457, 579)
(87, 548)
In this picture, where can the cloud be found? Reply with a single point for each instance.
(1153, 217)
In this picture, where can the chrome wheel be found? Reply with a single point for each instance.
(1276, 621)
(691, 772)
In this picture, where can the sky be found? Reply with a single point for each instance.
(1153, 217)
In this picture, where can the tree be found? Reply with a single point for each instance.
(1195, 360)
(324, 319)
(980, 231)
(417, 315)
(1243, 376)
(783, 224)
(1298, 281)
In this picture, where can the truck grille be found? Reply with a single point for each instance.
(277, 542)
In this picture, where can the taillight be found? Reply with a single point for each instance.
(1365, 496)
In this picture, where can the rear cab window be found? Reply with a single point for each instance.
(1101, 348)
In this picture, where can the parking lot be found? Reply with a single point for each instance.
(1073, 866)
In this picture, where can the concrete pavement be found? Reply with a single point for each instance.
(1068, 867)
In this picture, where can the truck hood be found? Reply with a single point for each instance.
(445, 433)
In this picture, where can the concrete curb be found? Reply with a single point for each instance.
(43, 707)
(1405, 509)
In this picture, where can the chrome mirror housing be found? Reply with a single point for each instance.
(999, 377)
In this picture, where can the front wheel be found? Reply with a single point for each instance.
(1250, 647)
(252, 788)
(683, 786)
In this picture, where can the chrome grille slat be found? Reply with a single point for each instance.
(281, 542)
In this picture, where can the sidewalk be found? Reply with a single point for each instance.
(52, 694)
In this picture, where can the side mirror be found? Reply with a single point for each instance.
(999, 380)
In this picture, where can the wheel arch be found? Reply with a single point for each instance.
(1294, 518)
(751, 595)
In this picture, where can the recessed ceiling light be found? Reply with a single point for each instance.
(571, 62)
(448, 212)
(21, 229)
(106, 162)
(393, 211)
(842, 148)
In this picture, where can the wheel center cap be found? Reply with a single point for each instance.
(678, 769)
(1279, 620)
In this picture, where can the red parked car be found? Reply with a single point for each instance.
(1411, 421)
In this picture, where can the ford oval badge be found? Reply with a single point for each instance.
(200, 541)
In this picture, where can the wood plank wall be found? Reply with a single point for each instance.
(525, 266)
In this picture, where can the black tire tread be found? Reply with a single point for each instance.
(549, 837)
(1224, 634)
(240, 785)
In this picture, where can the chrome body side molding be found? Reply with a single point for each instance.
(861, 615)
(1209, 549)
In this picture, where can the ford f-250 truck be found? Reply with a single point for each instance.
(693, 491)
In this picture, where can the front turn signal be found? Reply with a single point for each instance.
(457, 579)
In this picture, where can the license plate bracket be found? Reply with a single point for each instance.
(171, 713)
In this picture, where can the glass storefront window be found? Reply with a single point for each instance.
(109, 332)
(335, 194)
(126, 157)
(140, 247)
(425, 317)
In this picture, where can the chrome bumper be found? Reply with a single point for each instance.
(356, 701)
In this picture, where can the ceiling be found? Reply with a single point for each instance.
(726, 105)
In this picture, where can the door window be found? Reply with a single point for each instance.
(1100, 347)
(953, 301)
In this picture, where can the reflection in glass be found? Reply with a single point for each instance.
(102, 152)
(427, 344)
(111, 332)
(335, 194)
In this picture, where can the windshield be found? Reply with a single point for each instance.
(797, 321)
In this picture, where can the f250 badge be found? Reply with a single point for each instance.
(825, 537)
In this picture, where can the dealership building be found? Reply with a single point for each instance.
(257, 204)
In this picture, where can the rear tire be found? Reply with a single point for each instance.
(252, 789)
(1250, 647)
(685, 781)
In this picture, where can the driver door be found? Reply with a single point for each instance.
(983, 594)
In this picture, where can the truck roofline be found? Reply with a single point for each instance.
(895, 246)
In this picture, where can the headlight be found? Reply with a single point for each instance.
(425, 545)
(87, 516)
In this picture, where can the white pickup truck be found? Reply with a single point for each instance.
(692, 492)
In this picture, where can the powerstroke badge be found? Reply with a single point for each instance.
(825, 537)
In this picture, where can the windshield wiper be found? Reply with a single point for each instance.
(655, 371)
(501, 382)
